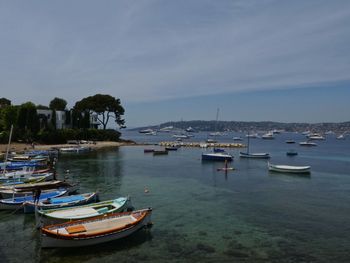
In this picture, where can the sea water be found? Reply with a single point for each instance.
(201, 214)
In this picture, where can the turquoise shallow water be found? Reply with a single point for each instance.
(200, 214)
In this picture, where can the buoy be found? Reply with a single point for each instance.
(146, 190)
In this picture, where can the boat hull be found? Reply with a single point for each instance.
(254, 155)
(290, 169)
(82, 240)
(43, 219)
(29, 207)
(217, 157)
(17, 202)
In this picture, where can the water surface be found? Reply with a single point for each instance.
(202, 215)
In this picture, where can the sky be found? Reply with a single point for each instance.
(255, 60)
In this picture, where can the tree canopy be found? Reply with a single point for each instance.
(58, 104)
(4, 102)
(105, 106)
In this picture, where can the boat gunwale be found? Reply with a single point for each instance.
(50, 233)
(46, 212)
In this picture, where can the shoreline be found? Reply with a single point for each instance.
(20, 147)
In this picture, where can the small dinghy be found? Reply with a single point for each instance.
(61, 202)
(217, 156)
(289, 169)
(54, 216)
(17, 202)
(291, 153)
(96, 230)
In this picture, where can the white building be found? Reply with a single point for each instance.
(45, 116)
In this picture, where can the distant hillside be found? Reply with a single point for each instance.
(255, 126)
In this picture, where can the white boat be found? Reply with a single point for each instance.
(341, 137)
(268, 136)
(146, 131)
(289, 168)
(166, 129)
(237, 138)
(74, 149)
(315, 136)
(95, 231)
(151, 133)
(59, 215)
(180, 136)
(190, 129)
(307, 144)
(252, 135)
(253, 155)
(215, 134)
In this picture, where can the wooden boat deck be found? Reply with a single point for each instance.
(96, 227)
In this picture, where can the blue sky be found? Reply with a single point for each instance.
(170, 60)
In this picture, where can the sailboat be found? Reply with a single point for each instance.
(253, 155)
(217, 155)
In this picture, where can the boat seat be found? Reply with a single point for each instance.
(75, 229)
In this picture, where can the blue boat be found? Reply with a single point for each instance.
(61, 202)
(17, 202)
(217, 156)
(291, 153)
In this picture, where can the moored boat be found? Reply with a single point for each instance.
(60, 202)
(254, 155)
(18, 190)
(160, 152)
(290, 141)
(315, 136)
(54, 216)
(289, 168)
(74, 149)
(291, 153)
(171, 148)
(17, 202)
(307, 144)
(95, 231)
(268, 136)
(217, 156)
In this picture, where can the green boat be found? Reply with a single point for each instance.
(54, 216)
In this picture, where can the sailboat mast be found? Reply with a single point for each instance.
(8, 145)
(8, 148)
(217, 118)
(248, 143)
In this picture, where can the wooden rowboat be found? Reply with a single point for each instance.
(17, 202)
(61, 202)
(95, 231)
(289, 169)
(254, 155)
(54, 216)
(7, 191)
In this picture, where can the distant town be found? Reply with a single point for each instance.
(240, 126)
